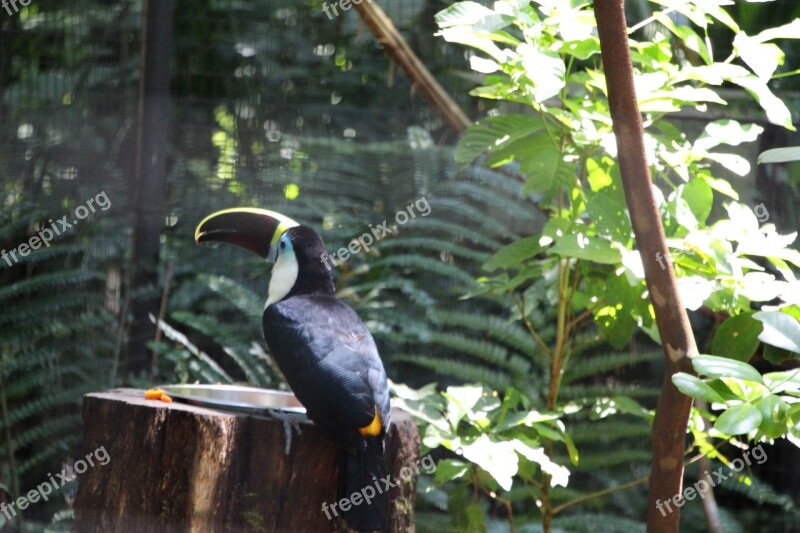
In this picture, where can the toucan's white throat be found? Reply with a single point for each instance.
(284, 276)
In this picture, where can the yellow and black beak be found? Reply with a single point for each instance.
(253, 229)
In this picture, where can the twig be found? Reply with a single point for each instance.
(599, 493)
(162, 311)
(529, 326)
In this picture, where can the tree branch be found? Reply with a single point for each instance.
(386, 33)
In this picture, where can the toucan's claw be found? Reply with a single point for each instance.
(290, 421)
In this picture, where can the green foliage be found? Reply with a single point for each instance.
(583, 263)
(502, 436)
(759, 406)
(51, 306)
(406, 287)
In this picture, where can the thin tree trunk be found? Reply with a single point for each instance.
(149, 178)
(672, 411)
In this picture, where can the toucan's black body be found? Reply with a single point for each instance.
(325, 352)
(330, 359)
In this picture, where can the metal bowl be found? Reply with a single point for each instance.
(248, 400)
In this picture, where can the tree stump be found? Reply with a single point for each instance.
(179, 467)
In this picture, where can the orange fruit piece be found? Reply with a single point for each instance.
(153, 394)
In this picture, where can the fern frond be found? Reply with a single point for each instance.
(53, 281)
(464, 371)
(598, 364)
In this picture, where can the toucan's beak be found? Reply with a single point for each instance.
(256, 230)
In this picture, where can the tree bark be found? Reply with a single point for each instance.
(672, 411)
(177, 467)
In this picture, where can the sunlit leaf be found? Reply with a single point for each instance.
(720, 367)
(727, 131)
(763, 58)
(581, 246)
(739, 419)
(780, 330)
(450, 469)
(499, 459)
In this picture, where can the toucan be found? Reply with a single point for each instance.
(324, 350)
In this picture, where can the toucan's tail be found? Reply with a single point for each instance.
(361, 482)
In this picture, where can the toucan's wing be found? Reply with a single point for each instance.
(330, 360)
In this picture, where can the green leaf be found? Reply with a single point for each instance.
(559, 474)
(721, 367)
(463, 14)
(727, 131)
(738, 420)
(723, 390)
(543, 164)
(699, 197)
(733, 162)
(461, 402)
(780, 155)
(775, 108)
(773, 416)
(696, 388)
(514, 253)
(544, 70)
(583, 49)
(574, 456)
(494, 133)
(450, 469)
(777, 356)
(737, 337)
(609, 217)
(780, 330)
(721, 186)
(555, 229)
(479, 41)
(763, 58)
(581, 246)
(597, 177)
(693, 42)
(787, 31)
(788, 380)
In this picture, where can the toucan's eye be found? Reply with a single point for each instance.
(283, 244)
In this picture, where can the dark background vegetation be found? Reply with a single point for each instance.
(275, 105)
